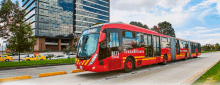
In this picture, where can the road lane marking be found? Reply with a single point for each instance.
(206, 69)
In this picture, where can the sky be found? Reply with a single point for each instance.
(194, 20)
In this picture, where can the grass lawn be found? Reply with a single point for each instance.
(208, 51)
(7, 54)
(212, 76)
(36, 62)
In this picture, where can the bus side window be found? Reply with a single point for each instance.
(129, 40)
(164, 42)
(140, 40)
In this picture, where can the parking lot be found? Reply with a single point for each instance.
(16, 58)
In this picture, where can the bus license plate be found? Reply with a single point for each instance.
(81, 67)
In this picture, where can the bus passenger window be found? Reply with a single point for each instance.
(140, 40)
(113, 40)
(150, 46)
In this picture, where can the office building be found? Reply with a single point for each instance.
(56, 22)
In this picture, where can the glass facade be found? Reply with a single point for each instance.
(88, 12)
(60, 18)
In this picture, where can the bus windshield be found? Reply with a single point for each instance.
(87, 43)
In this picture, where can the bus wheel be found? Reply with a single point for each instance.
(41, 59)
(164, 60)
(196, 55)
(128, 65)
(28, 59)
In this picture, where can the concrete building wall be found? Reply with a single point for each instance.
(52, 47)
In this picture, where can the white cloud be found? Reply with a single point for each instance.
(200, 28)
(203, 14)
(202, 5)
(147, 12)
(208, 41)
(172, 3)
(200, 34)
(210, 35)
(130, 5)
(206, 4)
(218, 7)
(177, 17)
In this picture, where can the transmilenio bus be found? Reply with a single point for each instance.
(115, 46)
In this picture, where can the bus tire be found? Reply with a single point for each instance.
(196, 55)
(41, 59)
(164, 60)
(28, 59)
(128, 65)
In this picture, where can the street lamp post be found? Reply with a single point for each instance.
(2, 47)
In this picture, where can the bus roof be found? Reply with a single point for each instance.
(131, 28)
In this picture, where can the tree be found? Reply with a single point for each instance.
(216, 46)
(6, 12)
(69, 49)
(166, 28)
(155, 28)
(205, 48)
(97, 23)
(139, 24)
(212, 47)
(22, 35)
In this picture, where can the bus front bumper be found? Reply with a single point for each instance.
(93, 68)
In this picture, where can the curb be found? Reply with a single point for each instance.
(76, 71)
(40, 75)
(52, 74)
(15, 78)
(199, 74)
(9, 68)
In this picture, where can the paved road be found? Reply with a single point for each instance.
(34, 72)
(174, 73)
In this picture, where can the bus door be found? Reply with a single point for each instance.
(157, 54)
(113, 48)
(192, 47)
(148, 49)
(148, 46)
(177, 48)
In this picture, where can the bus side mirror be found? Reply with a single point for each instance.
(102, 37)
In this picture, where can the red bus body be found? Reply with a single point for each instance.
(117, 61)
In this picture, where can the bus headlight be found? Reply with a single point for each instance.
(93, 59)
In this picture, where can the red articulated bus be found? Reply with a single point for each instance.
(115, 46)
